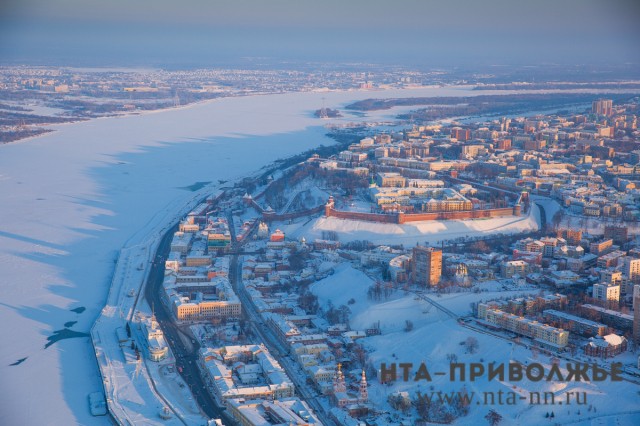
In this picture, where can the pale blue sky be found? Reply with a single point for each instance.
(418, 31)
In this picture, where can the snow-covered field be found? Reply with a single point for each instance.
(72, 198)
(344, 284)
(435, 335)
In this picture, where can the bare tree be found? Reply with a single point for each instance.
(471, 344)
(493, 417)
(408, 326)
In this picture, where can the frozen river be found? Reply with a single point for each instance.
(71, 198)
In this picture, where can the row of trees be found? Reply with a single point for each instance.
(339, 315)
(442, 410)
(435, 410)
(380, 290)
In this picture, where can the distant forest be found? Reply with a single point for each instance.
(444, 107)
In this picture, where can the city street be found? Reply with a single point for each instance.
(275, 347)
(186, 357)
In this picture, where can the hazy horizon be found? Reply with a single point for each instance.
(163, 33)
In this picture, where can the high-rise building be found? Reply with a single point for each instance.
(427, 265)
(602, 107)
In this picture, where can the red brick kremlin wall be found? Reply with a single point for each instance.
(400, 218)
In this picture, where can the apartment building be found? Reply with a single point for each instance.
(606, 292)
(426, 265)
(514, 267)
(575, 324)
(547, 336)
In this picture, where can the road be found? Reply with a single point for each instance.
(275, 347)
(280, 352)
(186, 351)
(543, 216)
(184, 348)
(186, 357)
(476, 183)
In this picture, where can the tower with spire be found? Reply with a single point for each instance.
(364, 392)
(338, 381)
(329, 206)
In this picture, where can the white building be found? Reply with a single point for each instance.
(247, 371)
(606, 291)
(631, 267)
(156, 343)
(257, 412)
(263, 230)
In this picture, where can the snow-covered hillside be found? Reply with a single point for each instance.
(409, 234)
(435, 335)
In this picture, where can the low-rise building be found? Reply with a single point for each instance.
(258, 412)
(606, 346)
(156, 344)
(390, 180)
(601, 247)
(247, 371)
(545, 335)
(610, 259)
(213, 299)
(609, 317)
(400, 268)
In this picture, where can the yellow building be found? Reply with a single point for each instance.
(544, 333)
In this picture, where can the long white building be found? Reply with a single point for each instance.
(247, 371)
